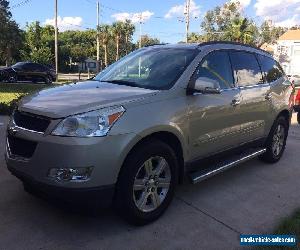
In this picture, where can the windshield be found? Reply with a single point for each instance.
(151, 68)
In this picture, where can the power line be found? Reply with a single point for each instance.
(20, 4)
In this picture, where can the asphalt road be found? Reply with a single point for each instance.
(252, 198)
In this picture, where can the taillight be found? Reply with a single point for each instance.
(297, 100)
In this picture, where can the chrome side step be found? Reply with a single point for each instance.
(222, 166)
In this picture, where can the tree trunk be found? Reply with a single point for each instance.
(8, 56)
(105, 55)
(126, 44)
(117, 44)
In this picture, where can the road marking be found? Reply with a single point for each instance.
(1, 124)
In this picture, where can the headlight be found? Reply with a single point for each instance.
(90, 124)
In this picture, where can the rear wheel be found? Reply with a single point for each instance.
(276, 141)
(298, 117)
(146, 183)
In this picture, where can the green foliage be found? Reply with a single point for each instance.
(39, 44)
(11, 93)
(227, 23)
(196, 38)
(11, 39)
(269, 33)
(147, 40)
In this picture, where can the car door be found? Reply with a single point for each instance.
(274, 76)
(214, 123)
(254, 103)
(27, 71)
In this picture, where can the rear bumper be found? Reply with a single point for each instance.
(97, 196)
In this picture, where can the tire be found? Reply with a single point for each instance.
(157, 191)
(12, 78)
(276, 141)
(48, 79)
(298, 117)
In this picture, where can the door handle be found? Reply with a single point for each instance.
(268, 96)
(235, 102)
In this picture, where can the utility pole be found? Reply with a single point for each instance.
(187, 19)
(98, 36)
(56, 42)
(141, 18)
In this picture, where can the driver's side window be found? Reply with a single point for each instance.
(216, 66)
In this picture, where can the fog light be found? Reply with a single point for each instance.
(70, 174)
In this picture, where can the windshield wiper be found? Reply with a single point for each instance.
(122, 82)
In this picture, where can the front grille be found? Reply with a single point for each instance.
(21, 147)
(31, 122)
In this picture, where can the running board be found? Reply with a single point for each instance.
(227, 164)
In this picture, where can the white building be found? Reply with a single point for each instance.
(88, 65)
(287, 52)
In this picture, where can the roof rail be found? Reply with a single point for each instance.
(233, 43)
(155, 44)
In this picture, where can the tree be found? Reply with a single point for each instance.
(129, 29)
(147, 41)
(241, 30)
(195, 38)
(39, 43)
(217, 21)
(117, 30)
(105, 35)
(11, 39)
(269, 33)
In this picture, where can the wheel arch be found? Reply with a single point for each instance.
(169, 136)
(286, 114)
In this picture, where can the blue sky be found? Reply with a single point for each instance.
(161, 18)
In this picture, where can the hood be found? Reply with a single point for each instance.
(6, 68)
(80, 97)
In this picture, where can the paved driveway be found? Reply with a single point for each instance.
(210, 215)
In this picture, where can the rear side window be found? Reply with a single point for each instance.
(270, 68)
(246, 68)
(216, 66)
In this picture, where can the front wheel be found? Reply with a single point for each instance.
(12, 78)
(276, 141)
(48, 79)
(146, 183)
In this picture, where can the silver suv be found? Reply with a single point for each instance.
(156, 116)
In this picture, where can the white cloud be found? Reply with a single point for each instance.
(243, 3)
(179, 10)
(281, 12)
(133, 17)
(66, 23)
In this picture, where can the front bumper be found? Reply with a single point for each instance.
(97, 196)
(104, 154)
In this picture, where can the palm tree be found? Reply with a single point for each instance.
(105, 34)
(117, 31)
(128, 29)
(241, 30)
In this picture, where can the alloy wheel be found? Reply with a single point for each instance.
(151, 184)
(278, 140)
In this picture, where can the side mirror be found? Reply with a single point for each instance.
(206, 86)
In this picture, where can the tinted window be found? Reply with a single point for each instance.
(152, 68)
(246, 68)
(19, 65)
(271, 69)
(39, 67)
(216, 66)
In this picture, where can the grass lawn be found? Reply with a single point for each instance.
(10, 93)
